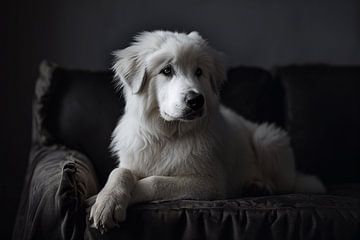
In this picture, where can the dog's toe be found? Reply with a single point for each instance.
(106, 213)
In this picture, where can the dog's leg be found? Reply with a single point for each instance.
(122, 189)
(111, 202)
(169, 188)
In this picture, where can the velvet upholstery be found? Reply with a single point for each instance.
(292, 216)
(323, 116)
(74, 113)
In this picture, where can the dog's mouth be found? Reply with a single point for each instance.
(192, 115)
(187, 116)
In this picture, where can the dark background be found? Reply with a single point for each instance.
(82, 34)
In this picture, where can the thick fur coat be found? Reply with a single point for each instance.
(176, 141)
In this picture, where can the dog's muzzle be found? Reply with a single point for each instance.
(195, 103)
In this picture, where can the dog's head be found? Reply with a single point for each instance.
(177, 74)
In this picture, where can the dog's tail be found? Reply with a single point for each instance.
(308, 184)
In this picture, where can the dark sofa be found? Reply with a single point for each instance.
(74, 113)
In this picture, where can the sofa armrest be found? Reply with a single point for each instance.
(57, 184)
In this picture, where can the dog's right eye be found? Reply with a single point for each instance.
(167, 71)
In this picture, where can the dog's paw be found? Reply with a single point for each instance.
(108, 211)
(257, 188)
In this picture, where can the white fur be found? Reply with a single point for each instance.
(162, 155)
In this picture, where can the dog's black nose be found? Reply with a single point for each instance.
(194, 100)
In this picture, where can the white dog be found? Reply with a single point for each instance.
(175, 141)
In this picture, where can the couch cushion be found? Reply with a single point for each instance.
(293, 216)
(323, 118)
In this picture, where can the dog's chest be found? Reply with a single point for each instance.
(186, 156)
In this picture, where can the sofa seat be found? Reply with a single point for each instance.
(335, 215)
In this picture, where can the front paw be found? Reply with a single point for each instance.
(108, 210)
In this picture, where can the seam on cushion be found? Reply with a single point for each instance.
(71, 159)
(72, 191)
(75, 197)
(236, 210)
(352, 207)
(232, 209)
(84, 184)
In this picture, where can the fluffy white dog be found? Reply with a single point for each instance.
(175, 141)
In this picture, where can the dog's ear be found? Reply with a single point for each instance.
(218, 73)
(130, 69)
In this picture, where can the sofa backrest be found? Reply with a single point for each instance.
(323, 119)
(318, 105)
(254, 94)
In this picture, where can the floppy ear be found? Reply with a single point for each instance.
(130, 69)
(218, 73)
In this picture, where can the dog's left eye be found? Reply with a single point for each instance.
(167, 71)
(198, 72)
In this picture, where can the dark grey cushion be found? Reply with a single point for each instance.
(323, 119)
(293, 216)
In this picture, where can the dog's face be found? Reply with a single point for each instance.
(179, 73)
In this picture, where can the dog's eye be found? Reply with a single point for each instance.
(198, 72)
(167, 71)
